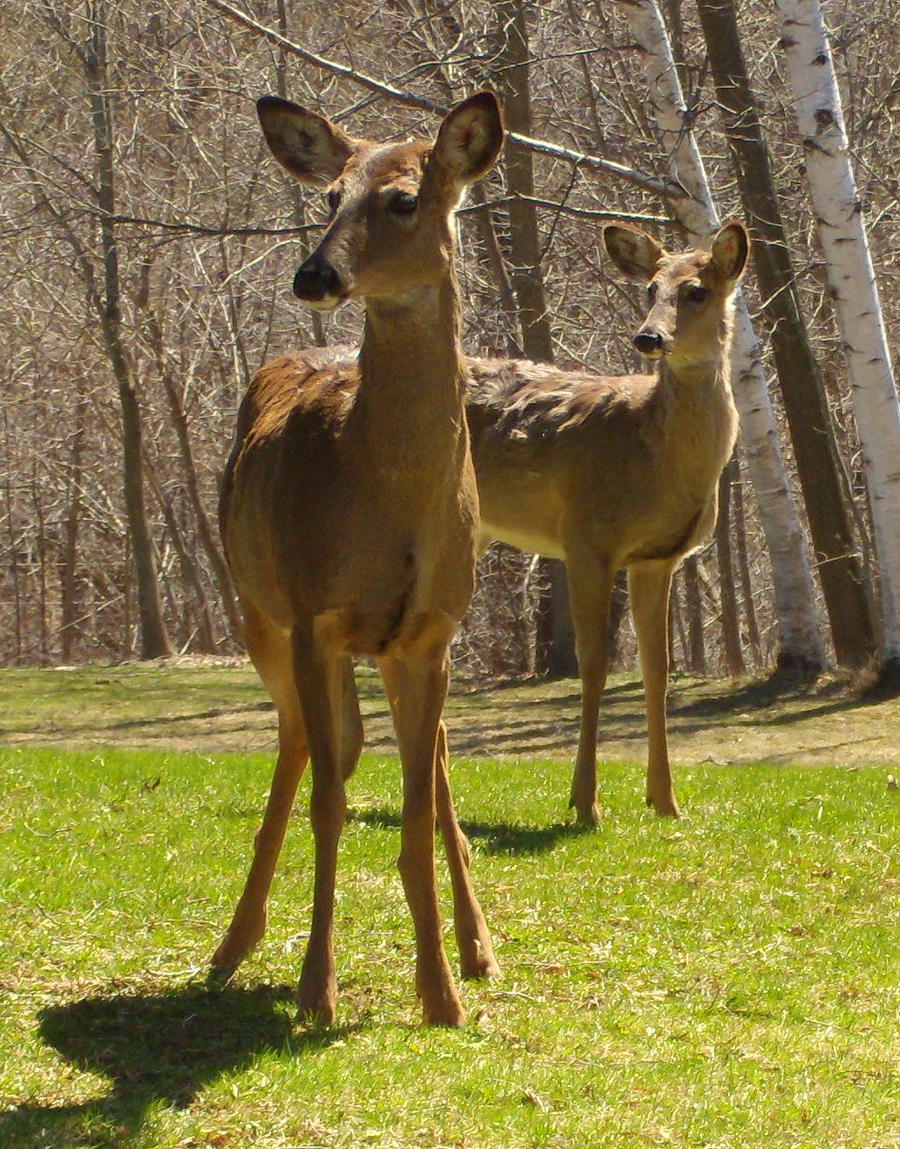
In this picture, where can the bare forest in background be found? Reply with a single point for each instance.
(149, 243)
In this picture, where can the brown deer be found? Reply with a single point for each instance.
(349, 516)
(608, 472)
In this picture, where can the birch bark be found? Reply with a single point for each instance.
(800, 632)
(826, 489)
(851, 284)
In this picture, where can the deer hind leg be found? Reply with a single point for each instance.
(351, 720)
(590, 589)
(416, 685)
(320, 672)
(476, 954)
(270, 650)
(649, 585)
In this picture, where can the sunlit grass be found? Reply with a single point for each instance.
(730, 980)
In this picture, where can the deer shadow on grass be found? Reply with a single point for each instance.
(492, 837)
(158, 1048)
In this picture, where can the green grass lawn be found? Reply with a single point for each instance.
(732, 980)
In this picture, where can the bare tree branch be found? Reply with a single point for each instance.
(565, 209)
(665, 189)
(203, 229)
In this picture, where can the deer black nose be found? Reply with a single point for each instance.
(648, 342)
(316, 279)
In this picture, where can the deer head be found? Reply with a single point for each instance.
(689, 295)
(389, 233)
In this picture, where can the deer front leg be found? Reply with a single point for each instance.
(318, 671)
(649, 585)
(476, 954)
(270, 650)
(416, 685)
(249, 921)
(590, 588)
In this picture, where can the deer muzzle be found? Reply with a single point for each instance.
(651, 344)
(318, 283)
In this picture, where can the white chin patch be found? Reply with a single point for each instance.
(329, 303)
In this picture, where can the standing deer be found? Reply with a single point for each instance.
(349, 516)
(608, 472)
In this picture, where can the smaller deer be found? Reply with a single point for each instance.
(349, 515)
(608, 472)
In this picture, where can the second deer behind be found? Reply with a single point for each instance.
(608, 472)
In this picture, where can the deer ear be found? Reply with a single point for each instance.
(309, 146)
(730, 249)
(635, 253)
(470, 139)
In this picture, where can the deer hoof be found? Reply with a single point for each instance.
(448, 1013)
(665, 807)
(481, 965)
(319, 1013)
(587, 815)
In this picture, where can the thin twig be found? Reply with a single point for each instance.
(665, 189)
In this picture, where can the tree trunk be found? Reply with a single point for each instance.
(555, 639)
(800, 638)
(40, 523)
(298, 210)
(617, 605)
(743, 563)
(205, 635)
(852, 287)
(696, 655)
(153, 637)
(512, 79)
(676, 622)
(494, 258)
(69, 582)
(205, 533)
(847, 596)
(731, 635)
(13, 542)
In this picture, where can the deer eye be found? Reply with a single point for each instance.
(651, 293)
(334, 200)
(698, 294)
(404, 203)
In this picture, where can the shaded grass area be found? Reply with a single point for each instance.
(212, 707)
(730, 980)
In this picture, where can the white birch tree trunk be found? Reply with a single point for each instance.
(852, 286)
(800, 632)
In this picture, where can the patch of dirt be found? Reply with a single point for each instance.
(213, 706)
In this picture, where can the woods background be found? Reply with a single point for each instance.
(149, 242)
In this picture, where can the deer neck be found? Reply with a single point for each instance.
(696, 384)
(697, 417)
(703, 385)
(411, 372)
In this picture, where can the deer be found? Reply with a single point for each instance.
(610, 472)
(349, 517)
